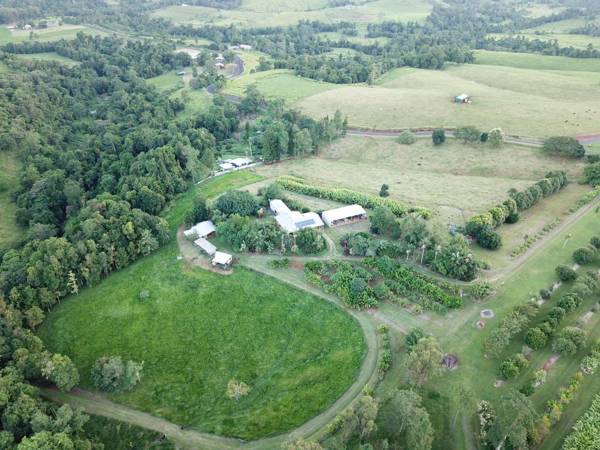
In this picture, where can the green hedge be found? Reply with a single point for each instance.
(586, 432)
(348, 197)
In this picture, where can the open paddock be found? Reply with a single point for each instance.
(454, 179)
(261, 13)
(45, 34)
(521, 101)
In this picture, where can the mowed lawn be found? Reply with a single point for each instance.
(10, 232)
(198, 330)
(454, 179)
(261, 13)
(529, 102)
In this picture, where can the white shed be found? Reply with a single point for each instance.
(206, 246)
(345, 214)
(201, 230)
(222, 260)
(295, 221)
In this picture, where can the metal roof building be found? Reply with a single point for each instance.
(295, 221)
(222, 259)
(206, 246)
(278, 207)
(345, 214)
(201, 230)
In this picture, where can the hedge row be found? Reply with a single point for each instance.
(586, 432)
(348, 196)
(481, 226)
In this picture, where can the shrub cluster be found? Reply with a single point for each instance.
(349, 282)
(348, 196)
(406, 282)
(511, 325)
(386, 354)
(511, 367)
(564, 146)
(585, 255)
(481, 226)
(246, 234)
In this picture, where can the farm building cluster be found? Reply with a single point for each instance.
(293, 221)
(200, 233)
(288, 220)
(228, 165)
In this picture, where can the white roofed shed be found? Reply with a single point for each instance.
(345, 214)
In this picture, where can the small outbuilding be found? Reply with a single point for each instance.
(219, 65)
(241, 162)
(181, 73)
(205, 246)
(224, 166)
(245, 47)
(462, 98)
(344, 215)
(201, 230)
(222, 260)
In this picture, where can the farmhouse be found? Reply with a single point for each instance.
(219, 65)
(201, 230)
(292, 221)
(344, 215)
(205, 246)
(222, 260)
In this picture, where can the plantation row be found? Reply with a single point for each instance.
(349, 197)
(379, 279)
(586, 432)
(481, 226)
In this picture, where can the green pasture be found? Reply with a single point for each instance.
(278, 83)
(199, 330)
(45, 34)
(536, 62)
(455, 180)
(10, 232)
(258, 13)
(520, 101)
(580, 41)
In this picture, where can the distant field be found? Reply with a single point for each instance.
(49, 57)
(536, 62)
(564, 39)
(562, 26)
(47, 34)
(542, 10)
(278, 83)
(456, 180)
(10, 232)
(195, 100)
(257, 13)
(521, 101)
(198, 330)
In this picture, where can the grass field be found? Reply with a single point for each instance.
(49, 57)
(195, 100)
(454, 179)
(10, 232)
(536, 62)
(258, 13)
(278, 83)
(521, 101)
(562, 26)
(199, 330)
(47, 34)
(564, 39)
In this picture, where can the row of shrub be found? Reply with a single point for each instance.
(385, 360)
(404, 281)
(587, 429)
(348, 196)
(481, 226)
(586, 199)
(515, 322)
